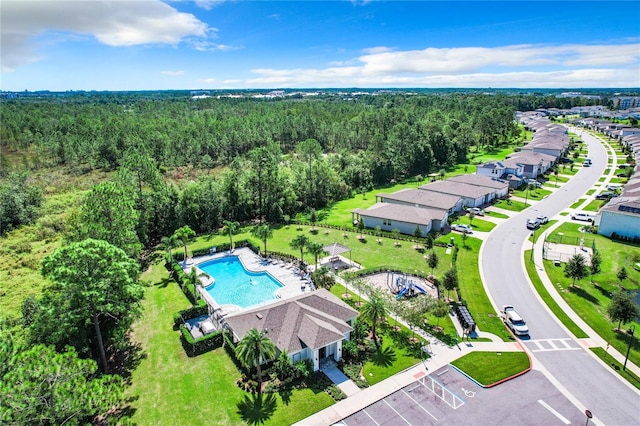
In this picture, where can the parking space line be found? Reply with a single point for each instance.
(554, 412)
(396, 411)
(420, 405)
(372, 419)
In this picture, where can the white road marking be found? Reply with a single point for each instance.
(418, 404)
(556, 345)
(554, 412)
(372, 419)
(396, 411)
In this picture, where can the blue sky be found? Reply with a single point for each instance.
(153, 44)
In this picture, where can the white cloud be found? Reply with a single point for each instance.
(114, 23)
(208, 4)
(207, 46)
(505, 66)
(172, 73)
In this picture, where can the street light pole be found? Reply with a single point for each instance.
(630, 332)
(533, 244)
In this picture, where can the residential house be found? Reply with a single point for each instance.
(309, 326)
(472, 195)
(509, 170)
(534, 163)
(417, 198)
(404, 218)
(621, 216)
(500, 187)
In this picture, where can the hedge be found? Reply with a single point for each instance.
(179, 256)
(190, 313)
(194, 347)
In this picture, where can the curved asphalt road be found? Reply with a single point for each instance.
(576, 373)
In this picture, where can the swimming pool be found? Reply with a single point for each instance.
(234, 285)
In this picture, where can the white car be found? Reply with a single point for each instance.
(477, 211)
(514, 321)
(583, 216)
(461, 227)
(542, 219)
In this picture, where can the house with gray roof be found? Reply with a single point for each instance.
(500, 187)
(404, 218)
(417, 198)
(535, 163)
(309, 326)
(509, 170)
(472, 195)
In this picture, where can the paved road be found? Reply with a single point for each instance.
(576, 372)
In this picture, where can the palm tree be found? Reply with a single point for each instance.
(315, 249)
(193, 279)
(169, 243)
(254, 348)
(263, 232)
(373, 311)
(299, 242)
(183, 235)
(231, 227)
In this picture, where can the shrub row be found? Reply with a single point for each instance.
(190, 313)
(618, 237)
(179, 255)
(195, 347)
(367, 231)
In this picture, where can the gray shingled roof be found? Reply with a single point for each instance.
(310, 320)
(456, 188)
(480, 180)
(402, 213)
(423, 198)
(531, 157)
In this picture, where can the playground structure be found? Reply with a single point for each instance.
(403, 286)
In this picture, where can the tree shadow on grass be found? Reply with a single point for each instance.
(602, 290)
(581, 293)
(257, 409)
(163, 283)
(384, 358)
(285, 395)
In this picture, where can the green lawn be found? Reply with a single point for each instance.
(496, 214)
(590, 299)
(170, 388)
(594, 205)
(477, 224)
(488, 368)
(535, 194)
(549, 300)
(513, 205)
(577, 203)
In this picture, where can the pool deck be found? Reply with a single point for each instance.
(286, 273)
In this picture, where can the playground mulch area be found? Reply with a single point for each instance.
(395, 282)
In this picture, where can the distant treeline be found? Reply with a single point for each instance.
(281, 156)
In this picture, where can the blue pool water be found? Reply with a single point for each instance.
(236, 286)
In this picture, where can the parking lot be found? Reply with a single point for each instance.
(448, 397)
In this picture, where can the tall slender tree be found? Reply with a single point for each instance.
(231, 227)
(373, 311)
(184, 235)
(255, 348)
(315, 249)
(300, 242)
(576, 268)
(92, 281)
(263, 232)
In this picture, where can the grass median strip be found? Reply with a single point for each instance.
(488, 368)
(548, 299)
